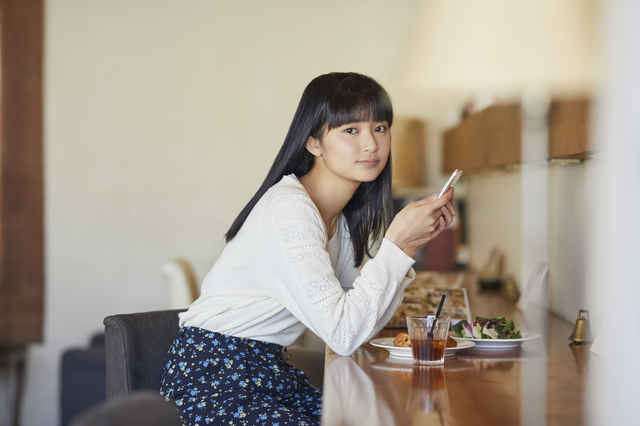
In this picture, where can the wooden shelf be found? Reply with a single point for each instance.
(492, 138)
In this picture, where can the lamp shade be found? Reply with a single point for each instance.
(469, 47)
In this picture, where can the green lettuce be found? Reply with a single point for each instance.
(487, 328)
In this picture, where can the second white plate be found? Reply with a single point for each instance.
(500, 343)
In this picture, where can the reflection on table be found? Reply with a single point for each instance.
(423, 391)
(474, 387)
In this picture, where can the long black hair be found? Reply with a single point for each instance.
(330, 101)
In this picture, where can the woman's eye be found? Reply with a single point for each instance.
(351, 130)
(381, 129)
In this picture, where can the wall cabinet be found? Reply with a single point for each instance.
(492, 137)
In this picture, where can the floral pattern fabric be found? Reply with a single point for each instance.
(216, 379)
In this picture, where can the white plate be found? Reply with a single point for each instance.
(387, 343)
(500, 343)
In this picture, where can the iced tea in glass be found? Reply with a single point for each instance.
(428, 336)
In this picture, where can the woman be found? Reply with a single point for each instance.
(307, 251)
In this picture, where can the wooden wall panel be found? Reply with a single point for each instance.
(503, 130)
(569, 133)
(407, 153)
(21, 172)
(464, 147)
(493, 137)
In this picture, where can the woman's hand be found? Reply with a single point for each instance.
(421, 221)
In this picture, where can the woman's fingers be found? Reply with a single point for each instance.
(433, 202)
(434, 209)
(451, 206)
(448, 215)
(427, 200)
(451, 203)
(448, 210)
(441, 225)
(420, 219)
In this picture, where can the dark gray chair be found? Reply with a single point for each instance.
(310, 361)
(137, 344)
(136, 347)
(140, 408)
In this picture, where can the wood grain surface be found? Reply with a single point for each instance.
(545, 378)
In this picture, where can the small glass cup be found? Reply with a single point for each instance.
(428, 336)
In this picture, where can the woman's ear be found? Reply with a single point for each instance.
(313, 146)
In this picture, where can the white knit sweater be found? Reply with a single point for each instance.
(280, 274)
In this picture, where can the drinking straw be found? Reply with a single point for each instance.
(433, 325)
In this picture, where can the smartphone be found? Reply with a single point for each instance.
(451, 182)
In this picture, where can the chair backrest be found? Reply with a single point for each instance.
(136, 347)
(182, 282)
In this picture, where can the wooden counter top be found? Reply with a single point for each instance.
(541, 381)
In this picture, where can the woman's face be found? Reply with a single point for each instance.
(356, 151)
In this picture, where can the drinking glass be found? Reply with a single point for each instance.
(428, 336)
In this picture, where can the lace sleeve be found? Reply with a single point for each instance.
(294, 242)
(347, 273)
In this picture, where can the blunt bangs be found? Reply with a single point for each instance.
(355, 98)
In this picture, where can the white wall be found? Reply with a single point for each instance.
(162, 118)
(493, 214)
(612, 272)
(493, 202)
(568, 238)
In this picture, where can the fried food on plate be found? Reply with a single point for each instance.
(402, 340)
(451, 343)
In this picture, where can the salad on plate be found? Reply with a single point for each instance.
(487, 328)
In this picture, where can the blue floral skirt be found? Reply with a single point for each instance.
(216, 379)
